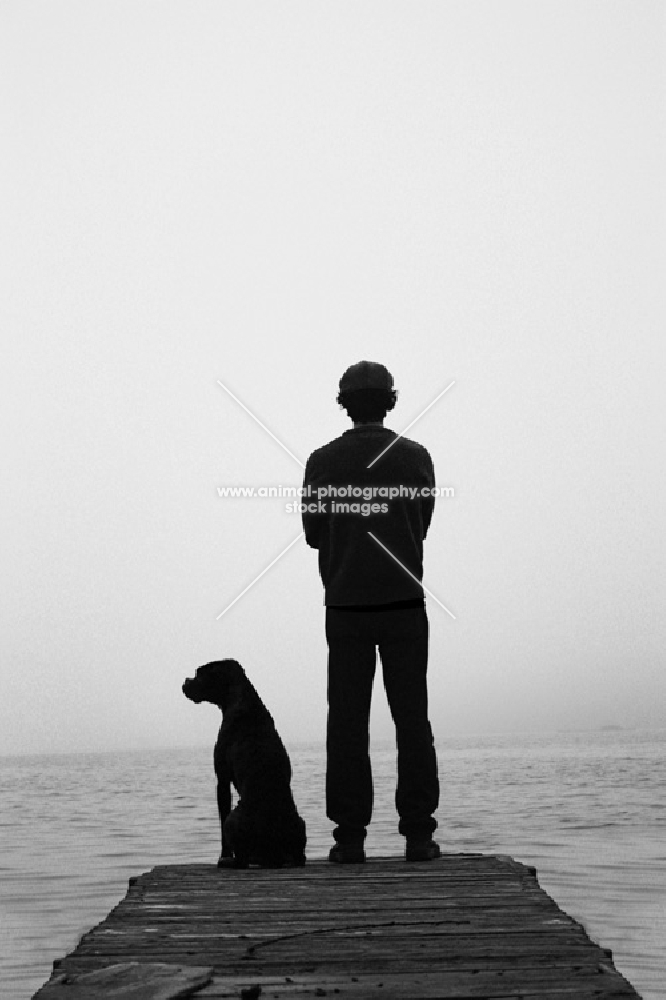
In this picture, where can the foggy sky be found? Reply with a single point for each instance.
(263, 194)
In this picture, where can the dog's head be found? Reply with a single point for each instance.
(215, 682)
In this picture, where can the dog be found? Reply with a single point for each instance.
(264, 828)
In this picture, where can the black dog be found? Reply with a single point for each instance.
(265, 827)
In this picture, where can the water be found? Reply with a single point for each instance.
(588, 810)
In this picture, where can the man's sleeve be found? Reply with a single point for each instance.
(428, 503)
(312, 523)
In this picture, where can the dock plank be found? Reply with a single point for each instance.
(461, 926)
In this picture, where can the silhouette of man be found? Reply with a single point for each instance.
(374, 599)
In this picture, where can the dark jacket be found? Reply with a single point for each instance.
(354, 568)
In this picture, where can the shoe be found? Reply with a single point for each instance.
(421, 850)
(347, 854)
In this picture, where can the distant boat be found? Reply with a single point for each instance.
(612, 728)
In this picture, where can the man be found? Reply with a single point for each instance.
(374, 599)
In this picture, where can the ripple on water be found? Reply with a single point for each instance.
(587, 810)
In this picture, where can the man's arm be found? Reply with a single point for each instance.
(312, 523)
(428, 503)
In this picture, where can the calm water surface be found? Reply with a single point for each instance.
(588, 810)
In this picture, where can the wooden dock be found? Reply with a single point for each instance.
(465, 925)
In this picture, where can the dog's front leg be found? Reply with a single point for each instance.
(223, 809)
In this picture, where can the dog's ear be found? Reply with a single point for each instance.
(233, 670)
(235, 678)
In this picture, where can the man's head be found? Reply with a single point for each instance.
(366, 392)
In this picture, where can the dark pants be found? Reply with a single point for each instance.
(402, 638)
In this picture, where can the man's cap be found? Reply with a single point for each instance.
(366, 375)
